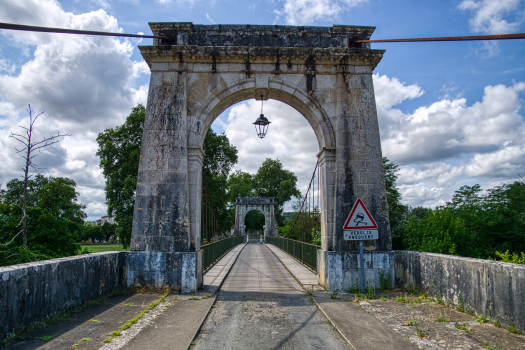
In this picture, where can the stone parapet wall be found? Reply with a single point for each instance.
(341, 271)
(35, 291)
(485, 287)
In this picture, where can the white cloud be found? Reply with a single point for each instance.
(302, 12)
(290, 138)
(494, 16)
(84, 84)
(209, 18)
(449, 143)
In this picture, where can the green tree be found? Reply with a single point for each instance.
(55, 220)
(220, 158)
(119, 152)
(240, 184)
(94, 233)
(438, 232)
(272, 180)
(109, 231)
(397, 211)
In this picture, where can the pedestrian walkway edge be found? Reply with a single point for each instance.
(286, 267)
(197, 331)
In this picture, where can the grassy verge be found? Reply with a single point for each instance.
(136, 318)
(64, 316)
(102, 247)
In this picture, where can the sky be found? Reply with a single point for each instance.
(450, 113)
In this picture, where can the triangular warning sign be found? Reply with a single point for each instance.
(359, 218)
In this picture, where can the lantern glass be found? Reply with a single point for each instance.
(261, 126)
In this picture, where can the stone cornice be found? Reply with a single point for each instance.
(284, 55)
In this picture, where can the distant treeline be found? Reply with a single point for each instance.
(475, 223)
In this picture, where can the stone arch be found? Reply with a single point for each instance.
(197, 72)
(265, 205)
(245, 89)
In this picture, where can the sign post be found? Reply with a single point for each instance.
(360, 226)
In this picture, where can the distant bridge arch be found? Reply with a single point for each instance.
(265, 205)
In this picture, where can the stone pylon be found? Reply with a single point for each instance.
(198, 71)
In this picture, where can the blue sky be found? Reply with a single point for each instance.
(450, 114)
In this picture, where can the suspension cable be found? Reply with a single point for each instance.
(302, 204)
(26, 28)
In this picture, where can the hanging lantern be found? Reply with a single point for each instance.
(261, 124)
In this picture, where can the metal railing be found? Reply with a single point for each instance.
(212, 252)
(304, 252)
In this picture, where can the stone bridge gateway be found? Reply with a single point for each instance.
(264, 205)
(199, 72)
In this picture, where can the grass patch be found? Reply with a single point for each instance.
(370, 291)
(383, 298)
(401, 299)
(421, 331)
(463, 328)
(334, 295)
(46, 337)
(310, 290)
(513, 330)
(482, 319)
(136, 318)
(86, 339)
(490, 347)
(92, 320)
(102, 247)
(200, 298)
(64, 316)
(496, 323)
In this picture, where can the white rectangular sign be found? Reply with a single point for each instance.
(360, 235)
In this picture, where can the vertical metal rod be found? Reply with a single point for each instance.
(362, 260)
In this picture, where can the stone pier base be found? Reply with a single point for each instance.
(339, 271)
(180, 271)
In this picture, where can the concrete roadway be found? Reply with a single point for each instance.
(261, 306)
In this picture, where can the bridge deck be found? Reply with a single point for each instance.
(261, 306)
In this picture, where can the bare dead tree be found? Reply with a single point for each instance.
(27, 153)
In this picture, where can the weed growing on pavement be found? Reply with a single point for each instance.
(490, 347)
(310, 290)
(482, 319)
(383, 298)
(46, 337)
(421, 331)
(355, 287)
(93, 320)
(370, 291)
(440, 319)
(461, 306)
(138, 317)
(513, 330)
(86, 339)
(64, 316)
(463, 328)
(334, 295)
(401, 299)
(384, 281)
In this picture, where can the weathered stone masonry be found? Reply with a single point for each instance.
(264, 205)
(196, 74)
(35, 291)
